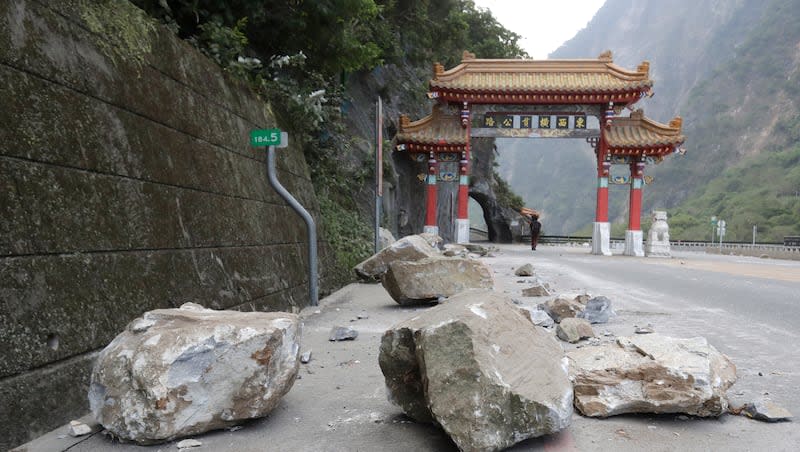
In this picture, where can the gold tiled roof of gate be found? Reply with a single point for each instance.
(436, 128)
(638, 131)
(600, 75)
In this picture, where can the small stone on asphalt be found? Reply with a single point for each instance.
(766, 410)
(341, 333)
(78, 428)
(189, 443)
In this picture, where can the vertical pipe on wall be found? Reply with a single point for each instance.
(311, 228)
(378, 171)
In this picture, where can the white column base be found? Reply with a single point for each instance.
(657, 249)
(431, 230)
(462, 230)
(601, 239)
(633, 243)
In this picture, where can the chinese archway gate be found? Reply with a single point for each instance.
(541, 99)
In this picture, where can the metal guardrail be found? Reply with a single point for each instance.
(772, 249)
(561, 239)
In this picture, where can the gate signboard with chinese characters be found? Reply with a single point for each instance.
(494, 124)
(540, 99)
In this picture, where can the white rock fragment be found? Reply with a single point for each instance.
(189, 444)
(78, 428)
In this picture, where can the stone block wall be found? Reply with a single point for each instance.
(127, 183)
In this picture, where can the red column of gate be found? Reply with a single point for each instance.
(635, 212)
(463, 188)
(463, 180)
(430, 205)
(601, 212)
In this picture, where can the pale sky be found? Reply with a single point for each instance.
(543, 24)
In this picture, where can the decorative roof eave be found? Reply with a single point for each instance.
(639, 135)
(436, 132)
(540, 77)
(553, 98)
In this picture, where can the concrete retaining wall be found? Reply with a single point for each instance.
(125, 186)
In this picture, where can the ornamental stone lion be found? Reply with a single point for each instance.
(658, 236)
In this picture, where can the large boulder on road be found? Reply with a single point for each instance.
(410, 248)
(180, 372)
(477, 366)
(651, 374)
(433, 278)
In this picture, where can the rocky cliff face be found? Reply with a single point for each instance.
(402, 90)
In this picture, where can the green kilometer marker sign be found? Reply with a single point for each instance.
(269, 137)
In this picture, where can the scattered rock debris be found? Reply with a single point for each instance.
(573, 330)
(538, 290)
(342, 333)
(597, 310)
(525, 270)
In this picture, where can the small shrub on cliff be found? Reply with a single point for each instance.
(505, 196)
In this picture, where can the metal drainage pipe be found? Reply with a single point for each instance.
(311, 228)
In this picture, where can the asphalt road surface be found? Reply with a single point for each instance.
(748, 308)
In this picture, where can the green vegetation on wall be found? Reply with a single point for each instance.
(298, 56)
(123, 32)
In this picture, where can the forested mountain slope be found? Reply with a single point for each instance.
(730, 69)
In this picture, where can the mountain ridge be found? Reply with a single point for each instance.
(718, 65)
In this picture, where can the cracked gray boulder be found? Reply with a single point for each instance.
(433, 278)
(476, 366)
(597, 310)
(651, 374)
(179, 372)
(410, 248)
